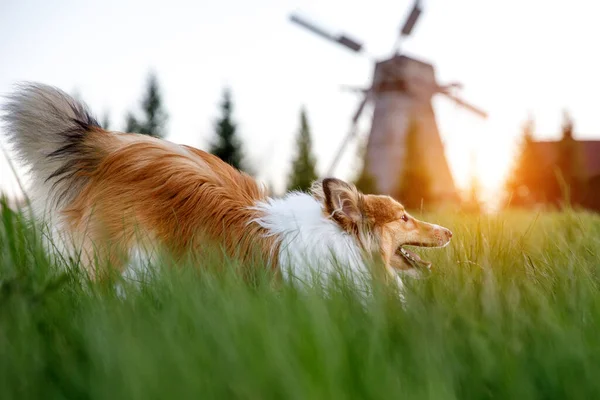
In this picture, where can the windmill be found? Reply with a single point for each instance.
(401, 92)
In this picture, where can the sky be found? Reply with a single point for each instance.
(515, 58)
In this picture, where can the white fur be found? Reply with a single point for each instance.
(38, 120)
(312, 246)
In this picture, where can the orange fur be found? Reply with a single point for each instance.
(145, 190)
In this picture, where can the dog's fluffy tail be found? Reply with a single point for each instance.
(50, 132)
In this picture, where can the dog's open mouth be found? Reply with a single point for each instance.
(412, 258)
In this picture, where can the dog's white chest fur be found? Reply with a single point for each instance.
(310, 243)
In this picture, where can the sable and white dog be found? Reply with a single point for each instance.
(110, 193)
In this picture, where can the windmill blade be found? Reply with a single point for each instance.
(355, 89)
(466, 105)
(408, 26)
(411, 21)
(361, 107)
(341, 39)
(351, 134)
(451, 86)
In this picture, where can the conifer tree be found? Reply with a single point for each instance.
(569, 165)
(304, 164)
(106, 121)
(527, 182)
(364, 182)
(473, 201)
(227, 145)
(154, 116)
(414, 187)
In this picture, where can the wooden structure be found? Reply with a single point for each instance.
(401, 92)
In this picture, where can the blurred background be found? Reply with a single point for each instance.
(476, 104)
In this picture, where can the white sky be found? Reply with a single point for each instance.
(513, 56)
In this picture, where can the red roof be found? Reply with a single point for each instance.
(590, 150)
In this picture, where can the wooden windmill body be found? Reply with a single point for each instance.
(401, 92)
(398, 103)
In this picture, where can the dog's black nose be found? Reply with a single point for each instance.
(449, 233)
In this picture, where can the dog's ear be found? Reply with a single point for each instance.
(342, 201)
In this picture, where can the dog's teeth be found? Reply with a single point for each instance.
(406, 254)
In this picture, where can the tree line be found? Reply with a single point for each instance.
(414, 183)
(151, 119)
(536, 178)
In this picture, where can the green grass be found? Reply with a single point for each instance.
(511, 311)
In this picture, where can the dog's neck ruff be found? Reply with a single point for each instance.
(311, 245)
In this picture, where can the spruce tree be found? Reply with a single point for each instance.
(131, 124)
(414, 185)
(364, 182)
(303, 172)
(473, 201)
(569, 165)
(154, 116)
(227, 145)
(527, 182)
(106, 121)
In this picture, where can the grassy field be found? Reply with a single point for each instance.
(512, 311)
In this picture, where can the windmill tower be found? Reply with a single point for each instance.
(401, 92)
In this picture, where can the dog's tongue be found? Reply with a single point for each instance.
(414, 258)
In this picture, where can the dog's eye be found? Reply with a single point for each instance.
(404, 218)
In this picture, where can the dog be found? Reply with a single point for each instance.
(107, 193)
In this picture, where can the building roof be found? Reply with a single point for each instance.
(590, 152)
